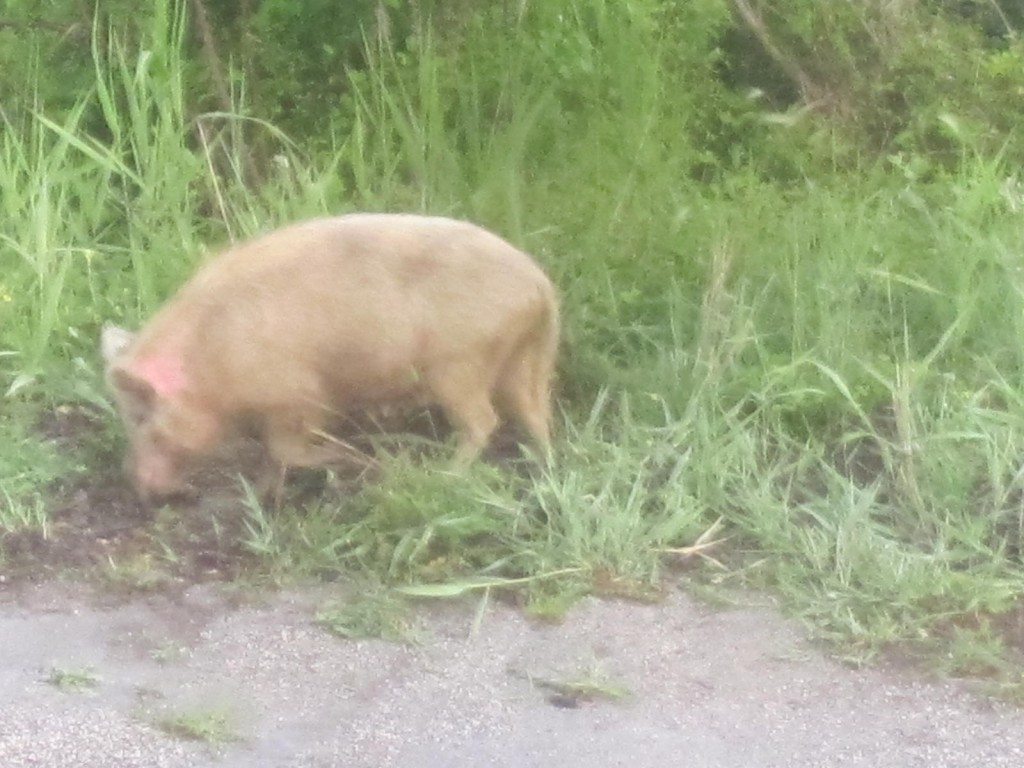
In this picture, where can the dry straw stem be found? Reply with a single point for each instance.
(701, 546)
(348, 449)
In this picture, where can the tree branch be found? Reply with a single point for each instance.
(810, 90)
(213, 62)
(65, 30)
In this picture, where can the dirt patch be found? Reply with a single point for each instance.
(102, 530)
(97, 525)
(98, 528)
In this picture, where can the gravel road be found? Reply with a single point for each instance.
(707, 687)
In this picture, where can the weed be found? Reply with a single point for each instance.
(73, 680)
(28, 464)
(978, 652)
(20, 515)
(372, 613)
(214, 727)
(168, 651)
(552, 605)
(592, 684)
(138, 572)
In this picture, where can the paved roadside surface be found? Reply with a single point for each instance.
(707, 687)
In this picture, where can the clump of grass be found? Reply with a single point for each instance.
(18, 515)
(371, 613)
(73, 679)
(976, 652)
(29, 464)
(569, 692)
(413, 521)
(215, 727)
(135, 572)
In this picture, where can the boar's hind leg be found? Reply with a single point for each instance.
(524, 394)
(524, 383)
(464, 394)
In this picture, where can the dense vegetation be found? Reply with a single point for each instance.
(788, 237)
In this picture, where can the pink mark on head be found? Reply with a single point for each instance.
(164, 374)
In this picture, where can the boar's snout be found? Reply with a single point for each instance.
(155, 477)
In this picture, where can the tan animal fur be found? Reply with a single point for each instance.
(328, 315)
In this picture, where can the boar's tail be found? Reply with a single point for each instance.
(547, 351)
(524, 386)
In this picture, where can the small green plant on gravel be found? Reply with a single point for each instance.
(73, 679)
(590, 684)
(373, 612)
(168, 651)
(551, 603)
(215, 727)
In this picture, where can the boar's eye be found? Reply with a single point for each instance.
(136, 415)
(162, 435)
(153, 444)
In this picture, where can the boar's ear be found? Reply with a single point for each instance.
(113, 341)
(128, 383)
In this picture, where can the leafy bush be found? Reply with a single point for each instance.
(878, 78)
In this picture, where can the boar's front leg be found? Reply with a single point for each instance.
(294, 440)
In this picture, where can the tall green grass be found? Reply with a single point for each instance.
(823, 378)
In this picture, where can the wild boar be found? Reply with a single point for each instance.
(296, 326)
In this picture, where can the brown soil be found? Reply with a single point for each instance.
(99, 527)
